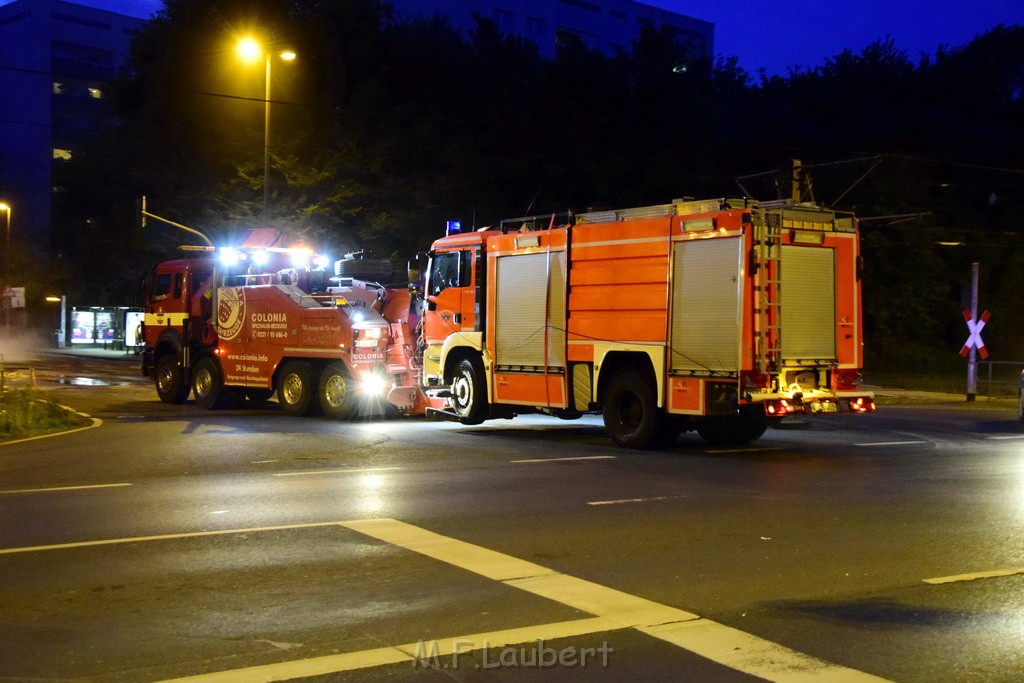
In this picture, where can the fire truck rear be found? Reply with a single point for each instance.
(719, 316)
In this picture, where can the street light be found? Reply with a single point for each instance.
(62, 332)
(250, 50)
(7, 268)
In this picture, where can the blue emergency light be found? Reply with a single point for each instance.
(454, 228)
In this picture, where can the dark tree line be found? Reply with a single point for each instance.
(382, 130)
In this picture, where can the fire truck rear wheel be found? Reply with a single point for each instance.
(337, 392)
(631, 411)
(208, 383)
(171, 385)
(469, 394)
(295, 390)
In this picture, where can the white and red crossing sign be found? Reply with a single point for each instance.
(974, 340)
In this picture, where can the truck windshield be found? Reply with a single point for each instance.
(449, 269)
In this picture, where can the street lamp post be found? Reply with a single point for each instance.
(6, 292)
(62, 335)
(250, 50)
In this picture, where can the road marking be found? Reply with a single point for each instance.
(728, 646)
(583, 457)
(64, 488)
(96, 422)
(976, 575)
(632, 500)
(1006, 437)
(421, 654)
(350, 470)
(612, 608)
(164, 537)
(890, 443)
(745, 450)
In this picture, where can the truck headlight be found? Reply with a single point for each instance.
(372, 384)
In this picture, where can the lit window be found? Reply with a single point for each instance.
(63, 154)
(59, 88)
(96, 93)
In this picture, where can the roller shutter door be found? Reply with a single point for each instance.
(808, 298)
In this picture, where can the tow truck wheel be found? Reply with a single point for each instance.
(295, 388)
(733, 430)
(631, 411)
(469, 395)
(208, 383)
(171, 386)
(337, 392)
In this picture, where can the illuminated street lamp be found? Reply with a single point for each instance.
(6, 292)
(62, 332)
(250, 50)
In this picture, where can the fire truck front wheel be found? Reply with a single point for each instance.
(631, 411)
(295, 389)
(171, 384)
(208, 384)
(337, 393)
(469, 394)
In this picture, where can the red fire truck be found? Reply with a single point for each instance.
(718, 316)
(264, 320)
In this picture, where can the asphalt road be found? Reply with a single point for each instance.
(170, 542)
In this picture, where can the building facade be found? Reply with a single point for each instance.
(605, 25)
(57, 60)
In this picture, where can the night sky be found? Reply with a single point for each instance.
(775, 35)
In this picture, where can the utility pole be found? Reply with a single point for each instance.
(972, 354)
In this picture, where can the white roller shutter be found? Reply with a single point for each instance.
(524, 292)
(808, 298)
(706, 305)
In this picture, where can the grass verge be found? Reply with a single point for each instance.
(28, 412)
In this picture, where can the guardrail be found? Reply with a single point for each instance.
(992, 374)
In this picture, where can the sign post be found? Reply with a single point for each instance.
(974, 344)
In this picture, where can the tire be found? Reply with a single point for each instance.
(733, 430)
(337, 392)
(469, 392)
(172, 385)
(295, 389)
(631, 413)
(208, 383)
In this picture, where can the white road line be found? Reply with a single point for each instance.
(64, 488)
(976, 575)
(1006, 437)
(96, 422)
(612, 608)
(421, 654)
(164, 537)
(631, 500)
(890, 443)
(745, 450)
(583, 457)
(728, 646)
(350, 470)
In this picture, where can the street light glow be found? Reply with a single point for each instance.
(249, 49)
(287, 55)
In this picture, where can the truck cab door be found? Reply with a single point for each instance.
(451, 295)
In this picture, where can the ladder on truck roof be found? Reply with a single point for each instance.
(768, 286)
